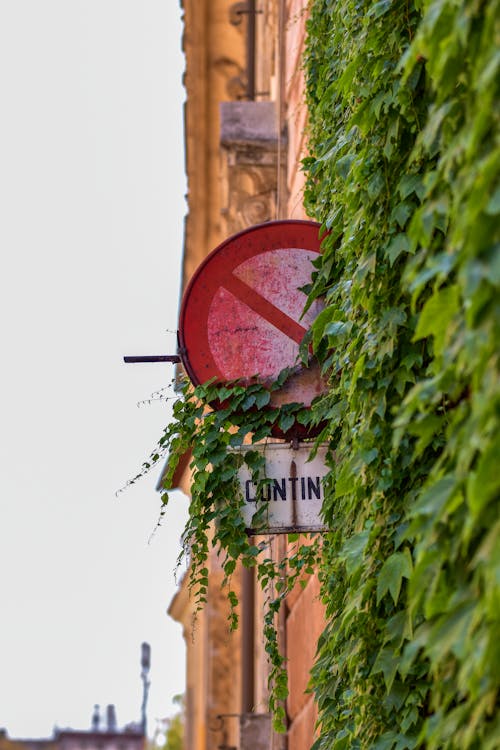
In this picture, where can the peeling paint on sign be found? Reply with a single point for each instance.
(241, 315)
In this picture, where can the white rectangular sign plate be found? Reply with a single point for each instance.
(293, 499)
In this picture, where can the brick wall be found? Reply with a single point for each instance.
(304, 623)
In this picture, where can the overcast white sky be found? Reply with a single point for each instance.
(91, 220)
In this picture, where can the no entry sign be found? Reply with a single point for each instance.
(241, 315)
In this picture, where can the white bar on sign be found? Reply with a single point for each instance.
(293, 499)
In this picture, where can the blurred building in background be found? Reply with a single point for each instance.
(103, 733)
(245, 120)
(100, 736)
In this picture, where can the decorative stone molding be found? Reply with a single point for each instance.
(250, 145)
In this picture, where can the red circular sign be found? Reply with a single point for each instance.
(242, 313)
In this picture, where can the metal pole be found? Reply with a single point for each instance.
(247, 640)
(153, 358)
(251, 50)
(145, 666)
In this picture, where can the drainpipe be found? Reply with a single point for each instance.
(251, 11)
(247, 640)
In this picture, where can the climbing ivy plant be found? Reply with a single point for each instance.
(403, 171)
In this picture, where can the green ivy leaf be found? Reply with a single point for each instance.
(286, 421)
(353, 550)
(435, 497)
(262, 399)
(436, 316)
(387, 662)
(483, 483)
(398, 245)
(395, 568)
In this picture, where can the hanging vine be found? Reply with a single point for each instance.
(212, 436)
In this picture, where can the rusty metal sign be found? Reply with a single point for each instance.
(241, 315)
(291, 500)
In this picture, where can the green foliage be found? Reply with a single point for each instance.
(174, 738)
(171, 734)
(404, 172)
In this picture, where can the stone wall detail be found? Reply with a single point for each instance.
(249, 163)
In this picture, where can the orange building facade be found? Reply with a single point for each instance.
(245, 123)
